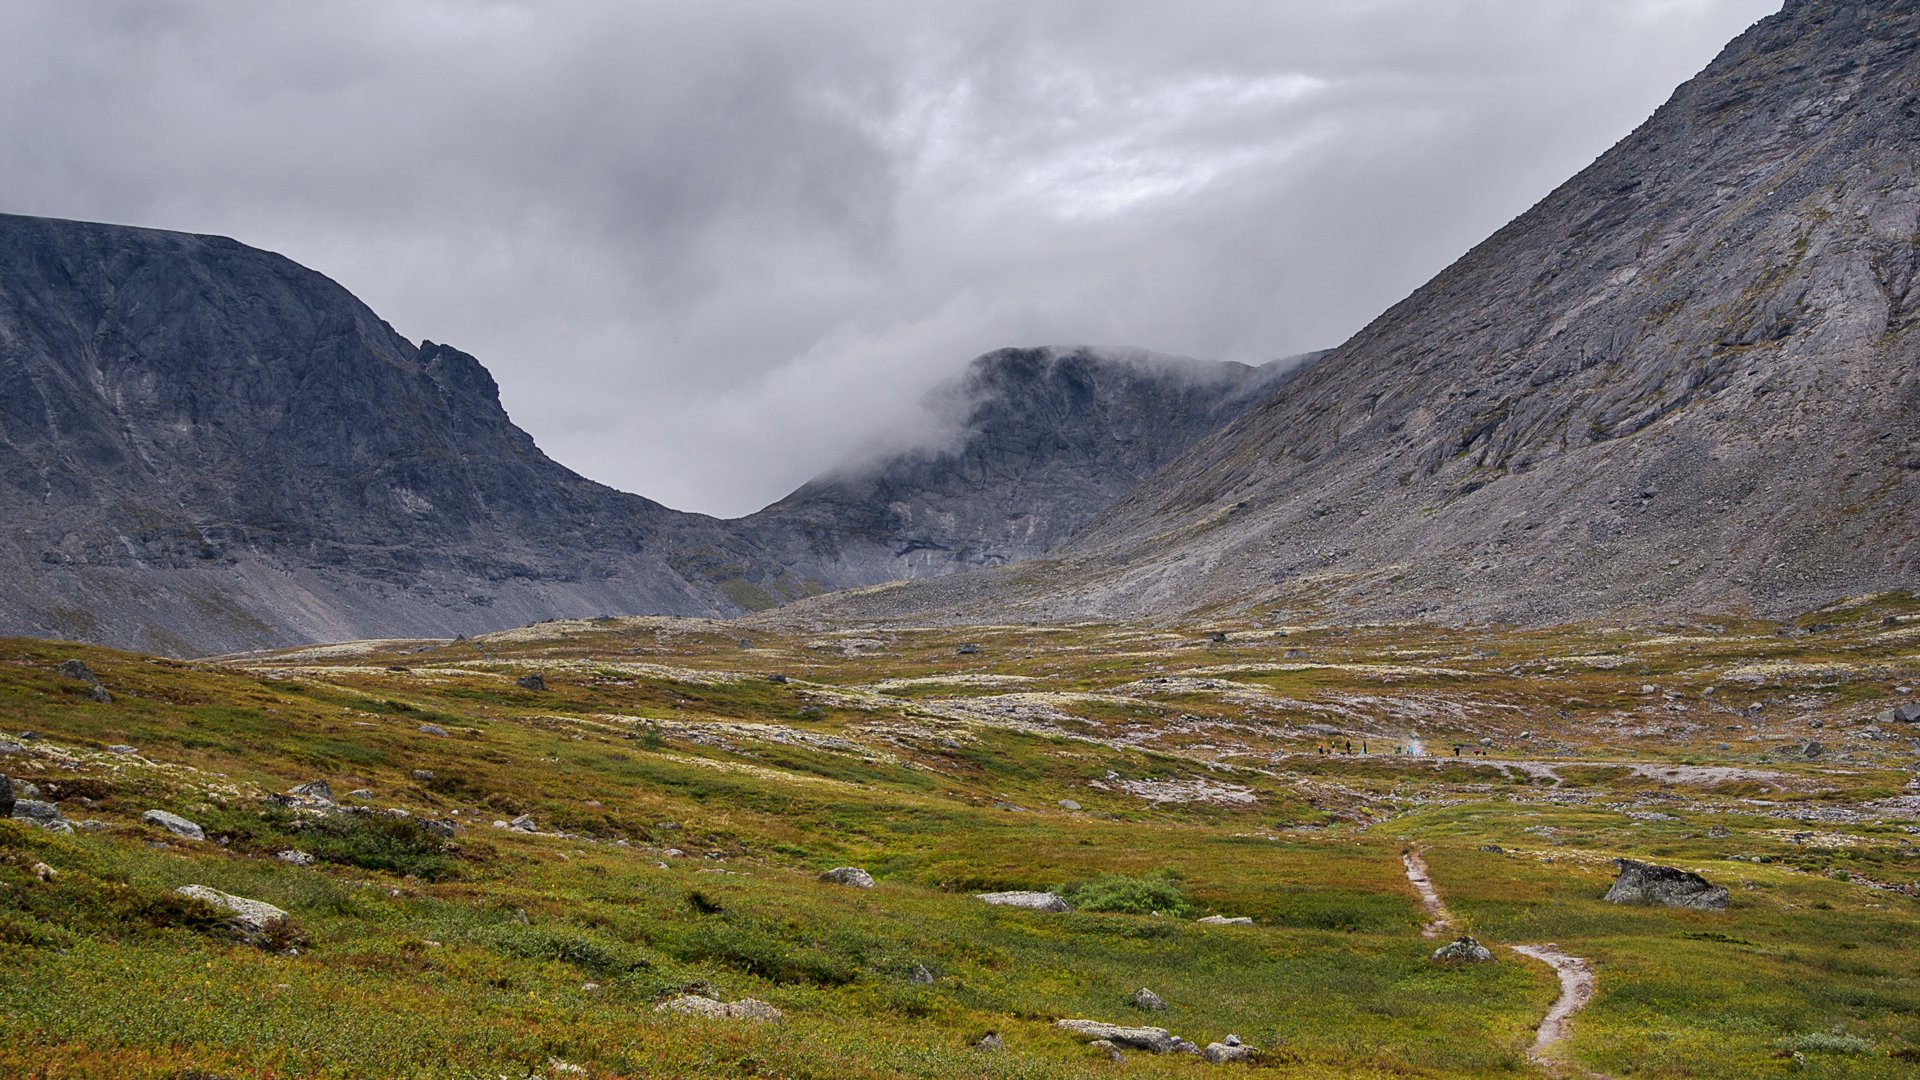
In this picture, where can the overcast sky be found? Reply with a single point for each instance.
(711, 247)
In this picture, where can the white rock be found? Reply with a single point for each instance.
(1033, 901)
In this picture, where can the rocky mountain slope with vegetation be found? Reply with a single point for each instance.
(1686, 380)
(1044, 440)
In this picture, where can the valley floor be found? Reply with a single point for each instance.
(534, 838)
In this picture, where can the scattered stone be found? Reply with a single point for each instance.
(1226, 920)
(1033, 901)
(1217, 637)
(967, 650)
(1152, 1039)
(523, 823)
(1664, 886)
(1069, 804)
(848, 875)
(1463, 950)
(674, 853)
(920, 976)
(1493, 849)
(122, 748)
(99, 693)
(1719, 832)
(708, 1008)
(36, 811)
(440, 827)
(433, 729)
(1144, 998)
(360, 793)
(1109, 1048)
(11, 747)
(810, 712)
(174, 824)
(566, 1068)
(44, 872)
(79, 672)
(254, 921)
(531, 682)
(1227, 1050)
(1901, 714)
(421, 774)
(314, 790)
(1813, 749)
(777, 678)
(294, 858)
(990, 1041)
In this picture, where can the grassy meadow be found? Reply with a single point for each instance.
(687, 782)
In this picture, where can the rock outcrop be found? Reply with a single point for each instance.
(1664, 886)
(1151, 1039)
(1463, 950)
(1033, 901)
(711, 1009)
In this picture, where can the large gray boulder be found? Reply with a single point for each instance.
(848, 875)
(1152, 1039)
(1902, 714)
(1228, 1049)
(1033, 901)
(253, 921)
(36, 811)
(174, 824)
(1664, 886)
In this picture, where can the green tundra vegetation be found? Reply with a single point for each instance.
(679, 787)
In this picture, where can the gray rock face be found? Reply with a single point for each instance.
(175, 824)
(1034, 901)
(1463, 950)
(1683, 381)
(1045, 438)
(1664, 886)
(219, 450)
(848, 875)
(36, 811)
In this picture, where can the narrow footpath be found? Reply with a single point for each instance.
(1576, 974)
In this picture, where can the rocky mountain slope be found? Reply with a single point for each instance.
(1046, 438)
(1685, 380)
(205, 446)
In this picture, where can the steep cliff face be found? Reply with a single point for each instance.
(1045, 439)
(207, 446)
(1686, 380)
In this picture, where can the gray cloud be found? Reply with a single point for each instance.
(709, 248)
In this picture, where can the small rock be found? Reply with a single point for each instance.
(360, 793)
(433, 729)
(990, 1041)
(531, 682)
(421, 774)
(122, 748)
(674, 853)
(1663, 886)
(920, 976)
(44, 872)
(777, 678)
(294, 858)
(1719, 832)
(1225, 920)
(1227, 1050)
(1463, 950)
(1033, 901)
(1069, 804)
(11, 747)
(252, 920)
(1109, 1048)
(1144, 998)
(174, 824)
(523, 823)
(440, 827)
(566, 1068)
(848, 875)
(78, 672)
(967, 650)
(701, 1006)
(99, 693)
(1493, 849)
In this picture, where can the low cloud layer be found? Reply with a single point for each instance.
(709, 249)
